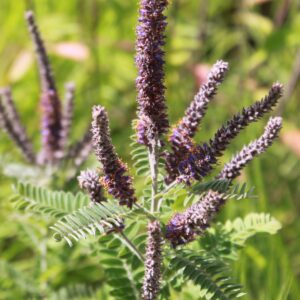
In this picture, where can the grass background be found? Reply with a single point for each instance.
(259, 38)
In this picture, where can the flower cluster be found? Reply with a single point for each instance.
(56, 120)
(46, 74)
(181, 135)
(152, 113)
(89, 181)
(231, 129)
(10, 121)
(153, 262)
(233, 169)
(186, 161)
(114, 180)
(184, 227)
(200, 159)
(50, 127)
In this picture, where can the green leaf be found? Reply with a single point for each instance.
(207, 272)
(45, 202)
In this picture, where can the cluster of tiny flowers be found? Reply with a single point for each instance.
(233, 169)
(67, 117)
(153, 262)
(189, 124)
(202, 158)
(50, 126)
(114, 180)
(46, 74)
(10, 121)
(186, 161)
(248, 115)
(184, 227)
(55, 120)
(152, 111)
(89, 181)
(181, 135)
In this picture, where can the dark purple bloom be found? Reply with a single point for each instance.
(11, 122)
(181, 135)
(151, 284)
(50, 103)
(50, 127)
(197, 165)
(250, 114)
(188, 125)
(184, 227)
(152, 110)
(194, 162)
(67, 115)
(233, 169)
(46, 75)
(114, 180)
(89, 180)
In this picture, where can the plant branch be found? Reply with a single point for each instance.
(153, 161)
(131, 246)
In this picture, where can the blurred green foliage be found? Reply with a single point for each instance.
(259, 38)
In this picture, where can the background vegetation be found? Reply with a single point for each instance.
(92, 43)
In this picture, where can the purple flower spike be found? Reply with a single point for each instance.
(250, 114)
(152, 110)
(89, 180)
(187, 127)
(184, 227)
(239, 161)
(151, 284)
(114, 180)
(12, 124)
(51, 127)
(67, 115)
(182, 134)
(189, 162)
(46, 74)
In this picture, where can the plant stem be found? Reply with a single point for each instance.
(166, 190)
(153, 161)
(150, 215)
(132, 246)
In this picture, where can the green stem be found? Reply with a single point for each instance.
(132, 246)
(153, 161)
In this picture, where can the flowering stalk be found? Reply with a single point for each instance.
(50, 127)
(67, 115)
(250, 114)
(12, 124)
(50, 103)
(46, 75)
(152, 108)
(182, 134)
(188, 125)
(200, 159)
(233, 169)
(153, 262)
(114, 180)
(89, 181)
(184, 227)
(7, 126)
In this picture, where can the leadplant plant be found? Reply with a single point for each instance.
(56, 116)
(156, 238)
